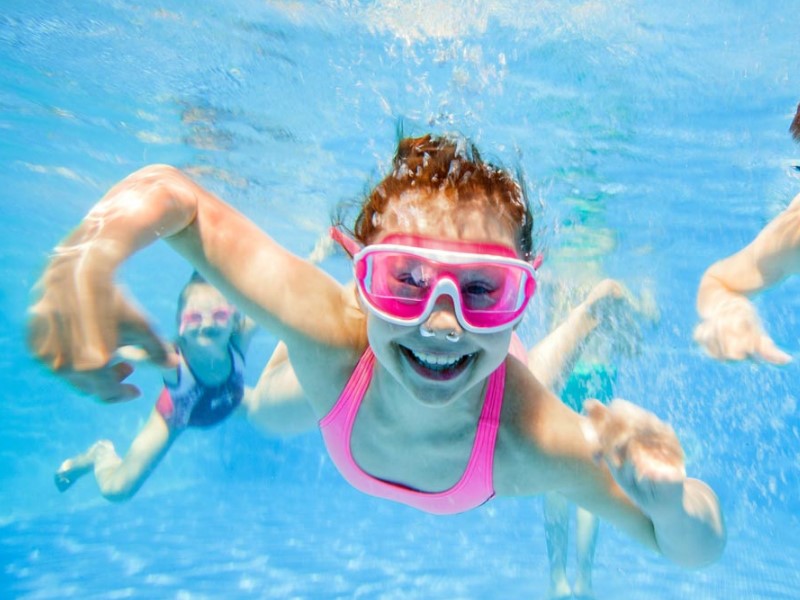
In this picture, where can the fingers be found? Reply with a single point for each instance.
(76, 340)
(624, 433)
(596, 412)
(605, 292)
(650, 483)
(657, 455)
(769, 352)
(746, 343)
(612, 289)
(107, 383)
(41, 339)
(136, 331)
(132, 354)
(154, 348)
(704, 340)
(121, 370)
(601, 433)
(715, 344)
(734, 331)
(619, 317)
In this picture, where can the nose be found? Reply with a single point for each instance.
(207, 321)
(443, 322)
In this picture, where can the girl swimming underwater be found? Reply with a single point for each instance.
(418, 397)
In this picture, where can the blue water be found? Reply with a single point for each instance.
(656, 132)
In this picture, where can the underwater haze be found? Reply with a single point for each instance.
(654, 139)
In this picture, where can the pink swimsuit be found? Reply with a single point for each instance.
(475, 486)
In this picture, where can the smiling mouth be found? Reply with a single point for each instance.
(437, 366)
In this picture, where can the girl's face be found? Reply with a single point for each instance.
(439, 360)
(207, 319)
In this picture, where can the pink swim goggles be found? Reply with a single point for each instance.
(194, 318)
(401, 279)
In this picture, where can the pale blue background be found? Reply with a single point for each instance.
(664, 125)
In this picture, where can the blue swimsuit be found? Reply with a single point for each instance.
(191, 403)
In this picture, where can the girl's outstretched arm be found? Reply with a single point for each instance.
(646, 461)
(621, 463)
(81, 317)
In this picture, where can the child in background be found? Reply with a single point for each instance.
(730, 328)
(204, 387)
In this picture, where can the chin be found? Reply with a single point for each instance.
(205, 342)
(432, 397)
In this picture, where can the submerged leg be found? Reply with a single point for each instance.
(586, 529)
(556, 527)
(120, 478)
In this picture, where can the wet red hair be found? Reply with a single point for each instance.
(453, 168)
(794, 128)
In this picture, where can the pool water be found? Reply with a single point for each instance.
(654, 138)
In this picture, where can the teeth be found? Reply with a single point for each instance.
(436, 361)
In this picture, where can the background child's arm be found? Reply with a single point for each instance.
(730, 327)
(608, 306)
(82, 317)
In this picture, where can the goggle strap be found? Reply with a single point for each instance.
(348, 244)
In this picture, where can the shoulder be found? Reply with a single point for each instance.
(795, 203)
(527, 403)
(787, 222)
(539, 438)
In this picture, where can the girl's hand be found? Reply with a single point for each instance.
(79, 322)
(733, 331)
(642, 453)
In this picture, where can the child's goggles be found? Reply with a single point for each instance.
(194, 318)
(401, 282)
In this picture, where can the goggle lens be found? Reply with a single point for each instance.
(194, 318)
(489, 293)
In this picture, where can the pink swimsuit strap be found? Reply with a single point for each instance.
(475, 486)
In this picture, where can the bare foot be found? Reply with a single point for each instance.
(69, 472)
(583, 591)
(560, 590)
(76, 467)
